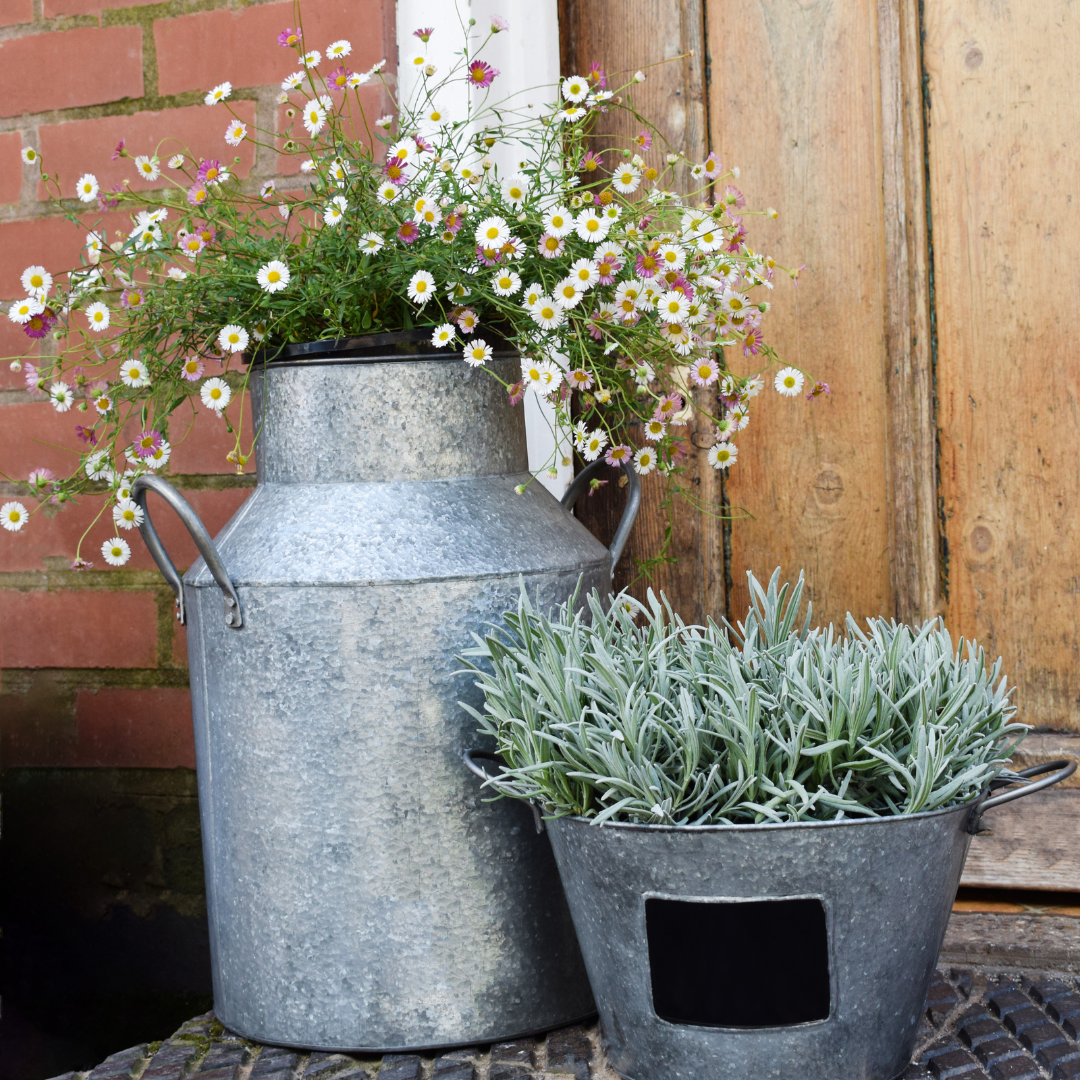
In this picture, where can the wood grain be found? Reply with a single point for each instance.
(1004, 160)
(624, 36)
(806, 130)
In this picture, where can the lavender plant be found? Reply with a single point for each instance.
(623, 713)
(620, 295)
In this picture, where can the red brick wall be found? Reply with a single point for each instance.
(93, 668)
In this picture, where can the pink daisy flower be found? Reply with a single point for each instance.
(287, 38)
(453, 222)
(119, 151)
(817, 390)
(550, 247)
(608, 269)
(667, 407)
(591, 162)
(424, 33)
(488, 256)
(192, 369)
(395, 171)
(734, 197)
(705, 371)
(106, 203)
(737, 239)
(147, 443)
(618, 456)
(31, 377)
(712, 166)
(338, 79)
(597, 76)
(499, 25)
(596, 324)
(131, 299)
(86, 434)
(516, 392)
(752, 342)
(644, 140)
(481, 74)
(39, 325)
(466, 320)
(579, 379)
(646, 265)
(81, 564)
(209, 171)
(409, 232)
(422, 144)
(197, 194)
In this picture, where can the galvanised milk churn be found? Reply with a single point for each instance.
(361, 892)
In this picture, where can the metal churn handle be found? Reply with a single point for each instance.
(630, 511)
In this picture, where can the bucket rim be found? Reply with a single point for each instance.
(763, 826)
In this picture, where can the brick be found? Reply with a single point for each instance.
(121, 1065)
(914, 1072)
(323, 1065)
(16, 11)
(79, 146)
(400, 1067)
(520, 1052)
(1040, 1036)
(979, 1031)
(1067, 1005)
(1072, 1027)
(220, 1057)
(1015, 1069)
(979, 1011)
(274, 1061)
(11, 167)
(944, 1045)
(504, 1070)
(453, 1070)
(84, 66)
(80, 629)
(569, 1051)
(139, 728)
(998, 1050)
(954, 1063)
(1067, 1070)
(1049, 990)
(1007, 1001)
(962, 979)
(1019, 1020)
(1049, 1056)
(197, 51)
(169, 1063)
(53, 8)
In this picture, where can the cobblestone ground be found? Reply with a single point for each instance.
(979, 1025)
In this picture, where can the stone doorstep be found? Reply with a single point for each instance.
(1004, 1004)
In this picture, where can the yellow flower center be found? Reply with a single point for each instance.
(516, 193)
(421, 286)
(215, 393)
(273, 277)
(557, 222)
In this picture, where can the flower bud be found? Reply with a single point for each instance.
(639, 76)
(520, 489)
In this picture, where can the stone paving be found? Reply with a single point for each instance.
(980, 1024)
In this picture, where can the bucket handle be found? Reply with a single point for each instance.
(471, 756)
(1060, 770)
(147, 482)
(630, 511)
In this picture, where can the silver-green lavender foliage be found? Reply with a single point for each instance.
(624, 713)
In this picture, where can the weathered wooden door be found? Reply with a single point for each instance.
(923, 158)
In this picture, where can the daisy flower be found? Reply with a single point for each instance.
(134, 374)
(87, 188)
(236, 133)
(116, 551)
(644, 140)
(514, 189)
(481, 74)
(712, 166)
(289, 37)
(409, 232)
(29, 155)
(498, 24)
(789, 382)
(645, 461)
(197, 194)
(492, 232)
(585, 272)
(192, 369)
(159, 456)
(396, 171)
(443, 335)
(13, 516)
(146, 443)
(389, 193)
(655, 429)
(274, 276)
(575, 88)
(541, 376)
(507, 283)
(176, 161)
(467, 320)
(558, 222)
(211, 171)
(311, 59)
(268, 189)
(191, 244)
(672, 306)
(590, 226)
(147, 167)
(335, 211)
(215, 394)
(233, 339)
(37, 281)
(293, 81)
(625, 180)
(131, 299)
(98, 316)
(568, 293)
(569, 115)
(314, 117)
(547, 314)
(421, 286)
(356, 78)
(127, 514)
(723, 454)
(594, 444)
(477, 353)
(61, 396)
(219, 93)
(739, 417)
(532, 294)
(98, 466)
(705, 372)
(579, 379)
(550, 247)
(94, 243)
(338, 49)
(618, 455)
(371, 243)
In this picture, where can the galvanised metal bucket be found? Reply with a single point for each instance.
(766, 952)
(361, 893)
